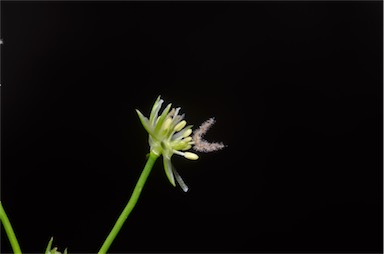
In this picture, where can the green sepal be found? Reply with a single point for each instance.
(168, 170)
(145, 122)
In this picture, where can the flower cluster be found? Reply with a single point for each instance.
(169, 134)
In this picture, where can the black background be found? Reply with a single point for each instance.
(296, 89)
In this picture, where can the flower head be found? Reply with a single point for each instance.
(168, 134)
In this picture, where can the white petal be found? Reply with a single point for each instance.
(180, 180)
(155, 110)
(159, 121)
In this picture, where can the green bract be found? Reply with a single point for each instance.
(168, 134)
(49, 249)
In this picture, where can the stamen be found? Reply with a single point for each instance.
(187, 133)
(187, 139)
(180, 125)
(179, 153)
(191, 156)
(187, 147)
(167, 123)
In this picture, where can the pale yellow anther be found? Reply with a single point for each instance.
(180, 125)
(191, 156)
(187, 133)
(187, 147)
(167, 123)
(187, 139)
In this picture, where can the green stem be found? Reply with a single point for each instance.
(131, 203)
(9, 231)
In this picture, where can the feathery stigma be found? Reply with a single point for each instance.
(200, 144)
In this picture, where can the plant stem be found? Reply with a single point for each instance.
(9, 231)
(131, 203)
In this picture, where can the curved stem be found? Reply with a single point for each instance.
(9, 231)
(131, 203)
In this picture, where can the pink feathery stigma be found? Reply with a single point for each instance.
(200, 144)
